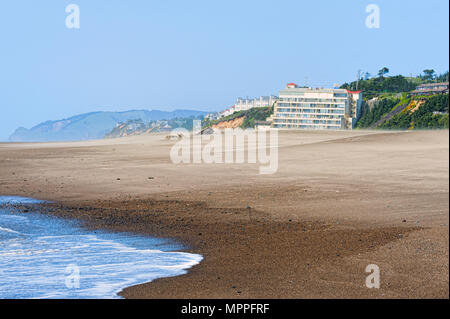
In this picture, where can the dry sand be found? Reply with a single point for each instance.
(338, 202)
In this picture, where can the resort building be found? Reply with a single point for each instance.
(226, 112)
(247, 104)
(311, 108)
(431, 88)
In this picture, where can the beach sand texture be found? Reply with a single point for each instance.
(338, 202)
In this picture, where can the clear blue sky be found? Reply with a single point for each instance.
(199, 54)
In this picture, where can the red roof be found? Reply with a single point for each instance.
(354, 92)
(292, 84)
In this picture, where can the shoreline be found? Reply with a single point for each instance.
(68, 244)
(213, 278)
(308, 231)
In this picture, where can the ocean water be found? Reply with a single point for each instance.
(48, 257)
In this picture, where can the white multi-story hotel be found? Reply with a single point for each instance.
(309, 108)
(247, 104)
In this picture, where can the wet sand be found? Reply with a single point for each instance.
(338, 202)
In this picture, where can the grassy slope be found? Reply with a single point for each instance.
(251, 116)
(407, 113)
(422, 117)
(394, 109)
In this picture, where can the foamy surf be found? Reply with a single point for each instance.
(41, 256)
(8, 230)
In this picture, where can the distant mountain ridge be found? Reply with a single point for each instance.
(138, 127)
(92, 125)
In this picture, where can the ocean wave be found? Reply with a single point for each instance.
(35, 264)
(9, 230)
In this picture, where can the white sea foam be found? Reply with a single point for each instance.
(35, 251)
(8, 230)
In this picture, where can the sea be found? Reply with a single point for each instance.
(47, 257)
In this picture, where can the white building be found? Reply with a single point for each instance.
(310, 108)
(212, 116)
(247, 104)
(227, 112)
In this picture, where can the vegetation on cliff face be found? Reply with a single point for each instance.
(375, 86)
(423, 112)
(250, 117)
(388, 105)
(373, 115)
(256, 114)
(432, 114)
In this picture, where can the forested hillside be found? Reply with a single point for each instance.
(424, 113)
(388, 103)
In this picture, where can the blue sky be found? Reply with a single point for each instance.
(199, 54)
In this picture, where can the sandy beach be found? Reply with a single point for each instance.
(338, 202)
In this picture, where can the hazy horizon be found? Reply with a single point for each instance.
(201, 55)
(7, 138)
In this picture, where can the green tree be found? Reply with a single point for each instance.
(383, 72)
(375, 86)
(428, 74)
(442, 77)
